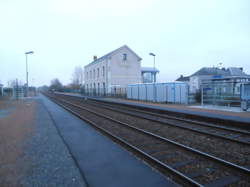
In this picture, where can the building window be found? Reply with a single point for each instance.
(124, 57)
(103, 69)
(94, 74)
(147, 77)
(90, 75)
(98, 72)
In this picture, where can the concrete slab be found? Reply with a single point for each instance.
(102, 162)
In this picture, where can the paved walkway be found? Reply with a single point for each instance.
(101, 161)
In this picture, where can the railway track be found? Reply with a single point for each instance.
(231, 150)
(227, 133)
(190, 166)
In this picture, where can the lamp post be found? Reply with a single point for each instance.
(27, 74)
(152, 54)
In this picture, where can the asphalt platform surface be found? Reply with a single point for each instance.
(101, 161)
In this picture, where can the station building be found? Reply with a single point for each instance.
(116, 69)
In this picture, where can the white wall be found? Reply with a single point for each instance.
(92, 77)
(125, 72)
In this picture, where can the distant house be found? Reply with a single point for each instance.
(183, 79)
(210, 73)
(116, 69)
(148, 74)
(229, 85)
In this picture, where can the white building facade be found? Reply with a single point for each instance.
(116, 69)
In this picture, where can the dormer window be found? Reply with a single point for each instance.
(124, 57)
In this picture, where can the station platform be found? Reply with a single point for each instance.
(100, 160)
(208, 111)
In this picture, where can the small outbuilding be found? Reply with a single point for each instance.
(169, 92)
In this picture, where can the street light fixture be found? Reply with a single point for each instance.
(152, 54)
(27, 74)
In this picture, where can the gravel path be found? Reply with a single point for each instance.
(31, 151)
(15, 129)
(51, 162)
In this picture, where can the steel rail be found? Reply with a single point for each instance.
(211, 157)
(176, 118)
(176, 125)
(202, 124)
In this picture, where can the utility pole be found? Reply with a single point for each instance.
(154, 76)
(17, 89)
(27, 74)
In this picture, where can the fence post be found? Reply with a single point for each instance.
(138, 92)
(202, 95)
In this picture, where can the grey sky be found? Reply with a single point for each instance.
(185, 35)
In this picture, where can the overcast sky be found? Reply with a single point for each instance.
(185, 35)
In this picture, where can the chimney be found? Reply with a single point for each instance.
(94, 57)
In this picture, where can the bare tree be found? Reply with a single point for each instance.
(77, 77)
(43, 88)
(56, 85)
